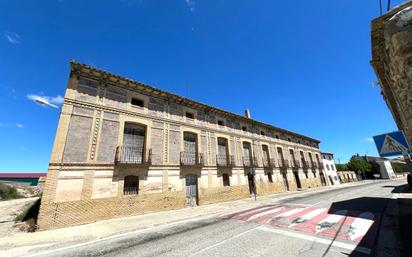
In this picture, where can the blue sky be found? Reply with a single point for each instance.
(299, 65)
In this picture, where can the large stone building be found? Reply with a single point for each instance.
(124, 148)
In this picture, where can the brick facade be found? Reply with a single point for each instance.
(85, 184)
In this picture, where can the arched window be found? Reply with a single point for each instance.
(226, 180)
(131, 185)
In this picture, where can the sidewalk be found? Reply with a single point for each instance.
(25, 243)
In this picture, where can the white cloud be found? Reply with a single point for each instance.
(13, 38)
(191, 5)
(58, 100)
(369, 139)
(11, 125)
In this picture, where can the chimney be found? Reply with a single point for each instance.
(247, 113)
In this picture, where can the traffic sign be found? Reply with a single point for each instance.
(392, 144)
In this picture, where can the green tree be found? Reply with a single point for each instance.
(356, 164)
(341, 167)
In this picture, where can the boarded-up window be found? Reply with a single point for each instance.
(292, 155)
(266, 157)
(302, 157)
(134, 140)
(222, 146)
(190, 142)
(246, 150)
(280, 153)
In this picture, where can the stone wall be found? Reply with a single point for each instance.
(391, 36)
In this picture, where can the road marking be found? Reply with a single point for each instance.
(224, 241)
(360, 225)
(307, 217)
(285, 214)
(258, 215)
(318, 240)
(227, 214)
(330, 220)
(245, 215)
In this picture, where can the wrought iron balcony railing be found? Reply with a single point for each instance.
(305, 165)
(321, 166)
(283, 164)
(224, 160)
(295, 164)
(269, 163)
(313, 165)
(133, 155)
(249, 161)
(191, 159)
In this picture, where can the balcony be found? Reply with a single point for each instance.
(314, 165)
(321, 166)
(283, 164)
(306, 165)
(133, 156)
(295, 164)
(249, 161)
(191, 159)
(268, 163)
(223, 160)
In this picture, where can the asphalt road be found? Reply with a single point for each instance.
(342, 222)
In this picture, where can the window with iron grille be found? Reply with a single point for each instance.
(131, 185)
(226, 180)
(270, 179)
(133, 142)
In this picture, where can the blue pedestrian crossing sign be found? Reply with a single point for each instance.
(392, 144)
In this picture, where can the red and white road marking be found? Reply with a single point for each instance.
(343, 225)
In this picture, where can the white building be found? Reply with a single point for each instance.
(330, 168)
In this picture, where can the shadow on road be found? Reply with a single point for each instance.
(374, 207)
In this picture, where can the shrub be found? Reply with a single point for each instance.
(8, 192)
